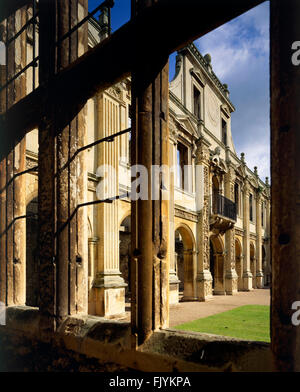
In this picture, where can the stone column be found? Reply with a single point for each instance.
(109, 286)
(204, 278)
(230, 272)
(247, 275)
(240, 274)
(259, 272)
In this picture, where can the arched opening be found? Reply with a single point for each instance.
(238, 264)
(32, 260)
(185, 263)
(217, 265)
(252, 264)
(125, 250)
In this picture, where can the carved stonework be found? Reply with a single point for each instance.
(207, 288)
(186, 215)
(115, 92)
(205, 233)
(202, 152)
(232, 249)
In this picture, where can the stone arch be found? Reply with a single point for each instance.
(125, 250)
(253, 264)
(217, 264)
(185, 263)
(239, 263)
(32, 259)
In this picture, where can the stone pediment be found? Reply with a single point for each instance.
(187, 124)
(198, 76)
(225, 110)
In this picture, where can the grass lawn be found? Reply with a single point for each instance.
(250, 322)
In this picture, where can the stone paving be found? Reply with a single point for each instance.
(189, 311)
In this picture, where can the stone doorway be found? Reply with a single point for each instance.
(217, 265)
(185, 263)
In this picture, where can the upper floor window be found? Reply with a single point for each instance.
(224, 132)
(251, 207)
(262, 214)
(182, 160)
(197, 103)
(237, 197)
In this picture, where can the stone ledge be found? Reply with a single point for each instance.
(110, 342)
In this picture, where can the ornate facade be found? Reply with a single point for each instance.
(219, 208)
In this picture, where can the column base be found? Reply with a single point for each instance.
(247, 281)
(107, 297)
(219, 292)
(231, 282)
(259, 280)
(173, 289)
(204, 286)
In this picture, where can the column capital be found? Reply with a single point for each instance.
(202, 150)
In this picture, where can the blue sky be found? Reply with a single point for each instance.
(240, 58)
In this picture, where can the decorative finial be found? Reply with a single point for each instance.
(104, 23)
(243, 157)
(226, 89)
(255, 171)
(207, 58)
(267, 180)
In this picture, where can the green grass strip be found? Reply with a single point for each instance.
(249, 322)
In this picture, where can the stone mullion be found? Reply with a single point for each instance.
(15, 209)
(204, 278)
(82, 182)
(174, 282)
(150, 223)
(46, 175)
(259, 272)
(2, 196)
(20, 166)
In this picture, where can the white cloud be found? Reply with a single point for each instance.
(258, 154)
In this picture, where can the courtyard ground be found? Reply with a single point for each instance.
(189, 311)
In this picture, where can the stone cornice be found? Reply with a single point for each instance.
(211, 75)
